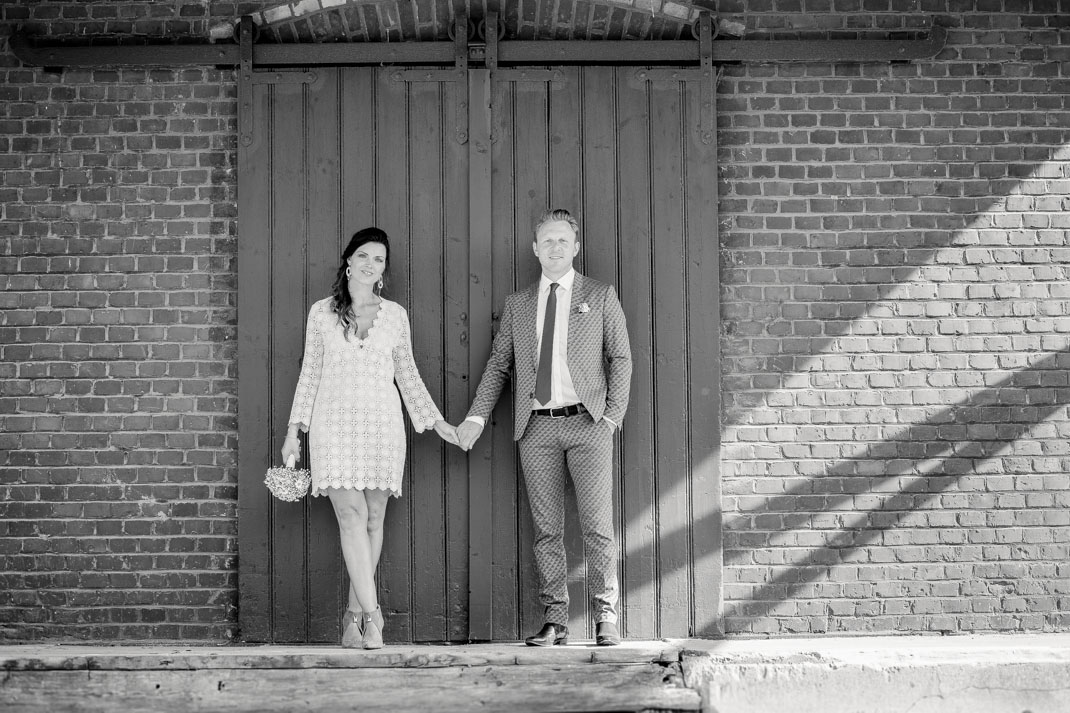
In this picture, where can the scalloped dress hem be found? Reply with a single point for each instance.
(324, 492)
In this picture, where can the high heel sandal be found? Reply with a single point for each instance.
(373, 629)
(352, 630)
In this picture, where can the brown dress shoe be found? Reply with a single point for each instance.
(607, 634)
(549, 635)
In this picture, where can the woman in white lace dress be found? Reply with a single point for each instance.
(357, 345)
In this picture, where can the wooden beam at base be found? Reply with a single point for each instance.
(584, 687)
(106, 657)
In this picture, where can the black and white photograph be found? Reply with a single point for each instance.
(535, 356)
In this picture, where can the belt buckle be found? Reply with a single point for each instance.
(563, 410)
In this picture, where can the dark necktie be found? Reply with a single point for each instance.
(546, 349)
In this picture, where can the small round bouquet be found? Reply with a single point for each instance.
(289, 483)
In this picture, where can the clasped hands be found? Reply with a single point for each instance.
(463, 436)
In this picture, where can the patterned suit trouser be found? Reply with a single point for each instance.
(584, 449)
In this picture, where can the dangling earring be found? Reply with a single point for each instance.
(349, 272)
(380, 284)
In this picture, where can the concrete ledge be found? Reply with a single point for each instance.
(971, 674)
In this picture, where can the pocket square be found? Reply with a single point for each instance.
(583, 308)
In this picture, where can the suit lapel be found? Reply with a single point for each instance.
(529, 312)
(579, 295)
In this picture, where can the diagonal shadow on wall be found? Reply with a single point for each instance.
(829, 290)
(935, 455)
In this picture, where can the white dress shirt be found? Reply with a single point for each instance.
(562, 391)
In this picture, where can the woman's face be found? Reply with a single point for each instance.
(368, 263)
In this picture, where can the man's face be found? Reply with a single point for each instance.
(555, 246)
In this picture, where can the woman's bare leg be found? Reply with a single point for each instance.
(351, 510)
(376, 501)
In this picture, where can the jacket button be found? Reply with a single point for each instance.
(531, 395)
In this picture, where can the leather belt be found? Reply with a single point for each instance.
(560, 412)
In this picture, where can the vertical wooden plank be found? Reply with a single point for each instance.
(600, 230)
(327, 597)
(358, 142)
(357, 158)
(531, 191)
(666, 150)
(564, 109)
(508, 505)
(425, 263)
(480, 471)
(254, 366)
(704, 366)
(638, 447)
(456, 326)
(392, 215)
(287, 276)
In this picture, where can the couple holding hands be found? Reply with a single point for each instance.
(565, 343)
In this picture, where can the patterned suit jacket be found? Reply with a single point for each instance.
(599, 355)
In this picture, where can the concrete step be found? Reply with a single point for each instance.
(1027, 673)
(638, 676)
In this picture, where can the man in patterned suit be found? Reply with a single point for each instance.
(566, 338)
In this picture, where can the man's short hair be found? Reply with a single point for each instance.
(556, 214)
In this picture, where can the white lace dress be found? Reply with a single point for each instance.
(347, 402)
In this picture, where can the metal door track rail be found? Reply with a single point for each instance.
(510, 52)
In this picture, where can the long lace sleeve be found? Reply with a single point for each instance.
(422, 409)
(311, 370)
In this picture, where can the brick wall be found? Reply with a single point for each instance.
(118, 429)
(894, 242)
(895, 333)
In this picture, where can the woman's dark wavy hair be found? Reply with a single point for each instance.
(341, 302)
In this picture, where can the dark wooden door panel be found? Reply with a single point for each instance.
(324, 218)
(355, 148)
(624, 155)
(255, 360)
(703, 419)
(638, 490)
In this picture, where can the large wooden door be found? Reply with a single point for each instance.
(455, 167)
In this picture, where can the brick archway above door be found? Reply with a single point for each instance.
(427, 20)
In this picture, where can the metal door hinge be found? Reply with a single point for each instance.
(704, 74)
(457, 77)
(249, 77)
